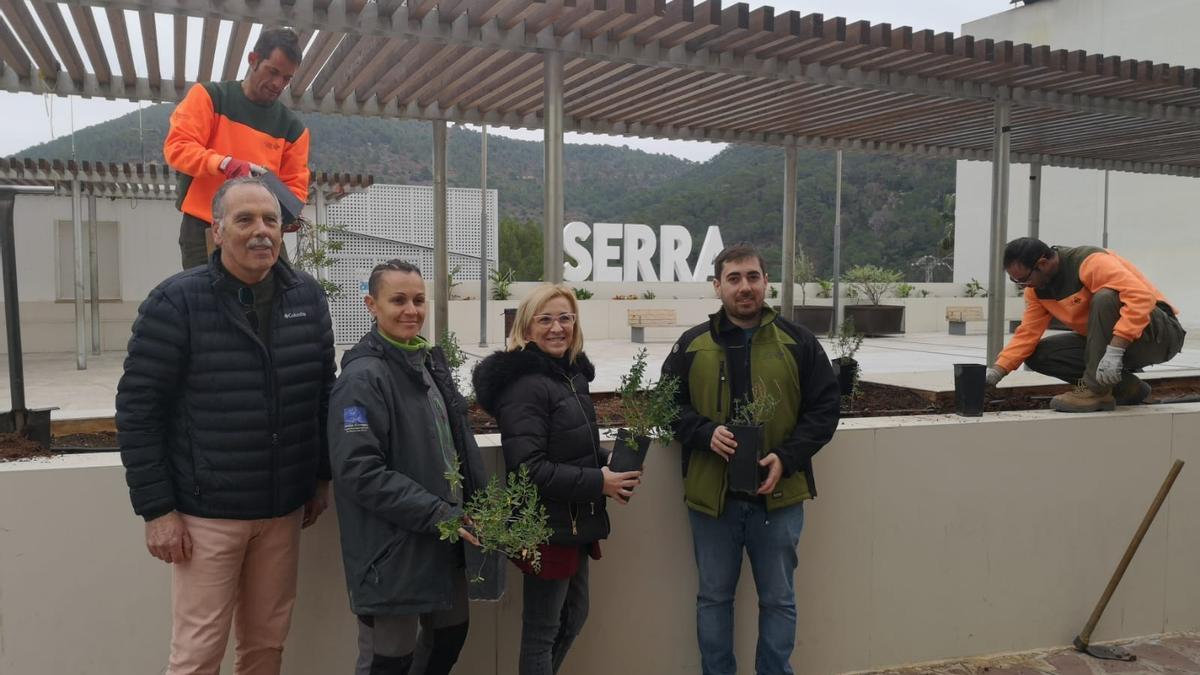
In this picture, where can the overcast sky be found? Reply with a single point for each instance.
(35, 119)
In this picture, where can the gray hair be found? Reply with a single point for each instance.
(218, 203)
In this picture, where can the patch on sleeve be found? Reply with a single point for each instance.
(354, 419)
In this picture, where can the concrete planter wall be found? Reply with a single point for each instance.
(933, 537)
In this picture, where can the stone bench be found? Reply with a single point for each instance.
(958, 316)
(641, 319)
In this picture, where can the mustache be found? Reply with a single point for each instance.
(260, 242)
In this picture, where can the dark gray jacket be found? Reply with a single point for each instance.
(389, 478)
(211, 421)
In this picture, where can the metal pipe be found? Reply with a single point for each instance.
(80, 327)
(552, 124)
(441, 259)
(12, 307)
(837, 247)
(1104, 232)
(483, 238)
(788, 272)
(319, 232)
(94, 269)
(1035, 199)
(997, 277)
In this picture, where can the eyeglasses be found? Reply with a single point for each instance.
(566, 320)
(1026, 281)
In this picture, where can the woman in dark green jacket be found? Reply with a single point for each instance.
(403, 460)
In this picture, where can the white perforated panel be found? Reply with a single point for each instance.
(396, 221)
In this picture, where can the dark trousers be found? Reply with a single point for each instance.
(1073, 357)
(196, 244)
(423, 644)
(555, 610)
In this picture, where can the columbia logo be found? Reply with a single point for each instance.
(294, 315)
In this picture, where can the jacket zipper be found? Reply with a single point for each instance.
(720, 384)
(595, 454)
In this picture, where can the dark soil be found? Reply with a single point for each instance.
(871, 400)
(100, 440)
(14, 447)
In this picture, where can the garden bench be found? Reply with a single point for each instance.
(958, 316)
(641, 319)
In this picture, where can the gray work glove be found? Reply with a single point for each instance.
(994, 375)
(1108, 373)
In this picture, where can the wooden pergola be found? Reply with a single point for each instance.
(655, 68)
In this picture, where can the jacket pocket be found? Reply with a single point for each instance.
(373, 571)
(704, 485)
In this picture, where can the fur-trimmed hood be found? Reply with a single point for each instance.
(496, 373)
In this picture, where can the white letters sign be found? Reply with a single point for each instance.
(636, 248)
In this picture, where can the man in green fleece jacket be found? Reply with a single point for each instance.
(719, 363)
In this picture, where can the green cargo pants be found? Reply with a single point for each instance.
(1073, 357)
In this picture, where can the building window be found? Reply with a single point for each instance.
(108, 260)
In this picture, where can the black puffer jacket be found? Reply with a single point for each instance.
(547, 423)
(211, 421)
(390, 477)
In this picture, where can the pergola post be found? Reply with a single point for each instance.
(94, 264)
(80, 319)
(12, 301)
(441, 258)
(837, 246)
(1104, 231)
(1035, 199)
(320, 238)
(997, 277)
(789, 231)
(483, 238)
(552, 125)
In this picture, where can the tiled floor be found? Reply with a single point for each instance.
(1176, 654)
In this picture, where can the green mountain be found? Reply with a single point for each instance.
(891, 206)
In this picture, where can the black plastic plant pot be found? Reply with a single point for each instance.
(969, 381)
(485, 573)
(846, 370)
(629, 452)
(743, 466)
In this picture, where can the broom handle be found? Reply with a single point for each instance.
(1086, 635)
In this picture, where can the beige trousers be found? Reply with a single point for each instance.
(242, 572)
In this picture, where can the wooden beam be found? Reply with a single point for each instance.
(150, 46)
(120, 36)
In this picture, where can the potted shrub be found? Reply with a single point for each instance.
(816, 318)
(509, 521)
(872, 283)
(749, 415)
(846, 343)
(649, 411)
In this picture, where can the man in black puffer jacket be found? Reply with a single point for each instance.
(221, 417)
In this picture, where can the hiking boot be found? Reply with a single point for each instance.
(1082, 399)
(1131, 390)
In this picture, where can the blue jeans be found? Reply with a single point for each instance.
(770, 540)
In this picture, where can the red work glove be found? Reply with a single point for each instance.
(235, 168)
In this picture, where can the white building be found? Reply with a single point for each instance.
(396, 221)
(1151, 220)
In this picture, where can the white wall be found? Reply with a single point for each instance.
(933, 537)
(1152, 220)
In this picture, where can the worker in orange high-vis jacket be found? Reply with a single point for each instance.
(224, 130)
(1119, 323)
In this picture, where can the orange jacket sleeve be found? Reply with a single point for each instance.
(186, 147)
(1102, 270)
(293, 168)
(1034, 322)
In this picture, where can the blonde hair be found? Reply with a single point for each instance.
(532, 304)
